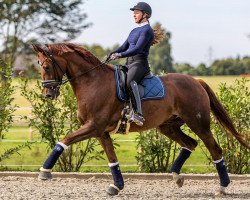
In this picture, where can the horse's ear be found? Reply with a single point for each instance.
(37, 48)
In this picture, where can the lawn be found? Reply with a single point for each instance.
(31, 159)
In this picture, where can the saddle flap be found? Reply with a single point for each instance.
(122, 71)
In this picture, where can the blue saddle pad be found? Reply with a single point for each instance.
(153, 88)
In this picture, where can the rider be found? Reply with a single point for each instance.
(136, 49)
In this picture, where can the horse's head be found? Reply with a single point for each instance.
(52, 70)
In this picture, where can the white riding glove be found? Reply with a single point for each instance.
(115, 56)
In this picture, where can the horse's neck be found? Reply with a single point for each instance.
(91, 80)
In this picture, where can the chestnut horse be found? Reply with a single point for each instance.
(188, 101)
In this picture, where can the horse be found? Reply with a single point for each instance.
(188, 101)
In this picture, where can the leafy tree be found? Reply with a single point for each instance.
(202, 70)
(245, 64)
(160, 55)
(101, 52)
(230, 66)
(184, 68)
(22, 20)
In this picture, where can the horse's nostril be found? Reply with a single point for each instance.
(48, 96)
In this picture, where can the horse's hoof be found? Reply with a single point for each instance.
(220, 192)
(179, 180)
(45, 175)
(113, 190)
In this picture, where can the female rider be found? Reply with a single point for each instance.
(136, 49)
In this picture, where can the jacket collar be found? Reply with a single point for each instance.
(143, 24)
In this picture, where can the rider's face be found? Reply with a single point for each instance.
(137, 15)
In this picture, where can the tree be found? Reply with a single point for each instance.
(245, 63)
(202, 70)
(184, 68)
(160, 55)
(22, 20)
(230, 66)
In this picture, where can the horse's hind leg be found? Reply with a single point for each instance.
(108, 147)
(173, 131)
(202, 129)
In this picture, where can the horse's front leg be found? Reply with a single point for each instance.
(87, 131)
(108, 147)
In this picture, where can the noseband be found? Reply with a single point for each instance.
(54, 84)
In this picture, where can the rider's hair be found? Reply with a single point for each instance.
(159, 34)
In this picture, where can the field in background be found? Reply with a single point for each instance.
(32, 159)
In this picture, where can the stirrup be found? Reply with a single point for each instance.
(137, 119)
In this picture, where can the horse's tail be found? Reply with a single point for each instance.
(221, 115)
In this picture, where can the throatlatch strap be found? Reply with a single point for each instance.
(180, 160)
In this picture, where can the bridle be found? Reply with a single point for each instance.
(54, 84)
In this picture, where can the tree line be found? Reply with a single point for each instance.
(160, 60)
(32, 21)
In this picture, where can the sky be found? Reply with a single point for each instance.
(202, 30)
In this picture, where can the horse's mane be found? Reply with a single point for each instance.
(61, 48)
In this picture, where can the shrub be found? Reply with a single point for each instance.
(6, 109)
(236, 100)
(6, 91)
(156, 152)
(54, 119)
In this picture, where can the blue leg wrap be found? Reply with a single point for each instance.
(117, 176)
(53, 157)
(180, 160)
(222, 171)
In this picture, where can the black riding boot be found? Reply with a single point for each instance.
(136, 103)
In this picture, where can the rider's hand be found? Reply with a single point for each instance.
(107, 58)
(115, 56)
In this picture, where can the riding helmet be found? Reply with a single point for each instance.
(144, 7)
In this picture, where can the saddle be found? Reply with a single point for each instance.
(151, 87)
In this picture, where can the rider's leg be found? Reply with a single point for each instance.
(136, 103)
(136, 71)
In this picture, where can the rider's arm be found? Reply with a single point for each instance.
(122, 48)
(143, 40)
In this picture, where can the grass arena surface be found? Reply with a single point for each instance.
(137, 186)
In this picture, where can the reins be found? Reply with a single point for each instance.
(56, 83)
(67, 80)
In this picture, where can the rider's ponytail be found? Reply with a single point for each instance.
(159, 34)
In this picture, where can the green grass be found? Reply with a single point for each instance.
(126, 152)
(214, 81)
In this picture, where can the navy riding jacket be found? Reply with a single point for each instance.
(138, 42)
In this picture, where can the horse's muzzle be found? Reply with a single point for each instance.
(51, 93)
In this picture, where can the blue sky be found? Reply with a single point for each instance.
(196, 26)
